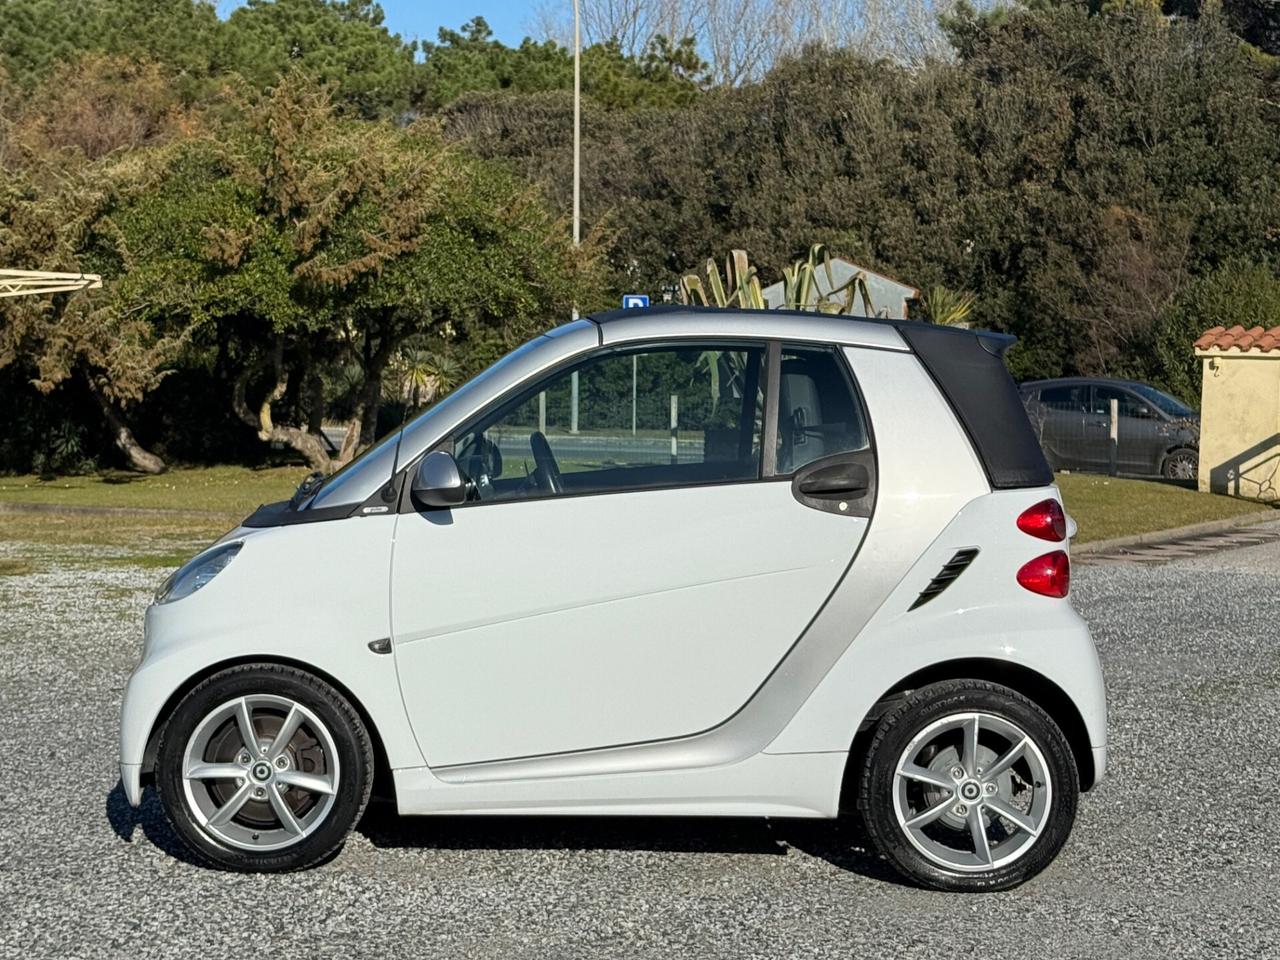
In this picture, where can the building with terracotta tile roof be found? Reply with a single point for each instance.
(1240, 411)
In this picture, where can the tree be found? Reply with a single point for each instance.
(662, 74)
(472, 60)
(744, 39)
(1257, 21)
(295, 240)
(38, 35)
(1237, 292)
(1112, 166)
(96, 105)
(342, 43)
(630, 24)
(63, 171)
(96, 337)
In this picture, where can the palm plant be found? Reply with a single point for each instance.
(418, 375)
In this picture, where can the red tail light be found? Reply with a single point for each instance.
(1049, 575)
(1044, 520)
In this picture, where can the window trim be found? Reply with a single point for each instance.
(769, 429)
(851, 383)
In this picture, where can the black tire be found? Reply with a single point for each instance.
(893, 736)
(354, 757)
(1181, 464)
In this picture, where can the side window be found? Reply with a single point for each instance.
(1129, 405)
(818, 412)
(1064, 399)
(658, 417)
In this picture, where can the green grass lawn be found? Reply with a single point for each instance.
(192, 508)
(1107, 507)
(202, 490)
(195, 506)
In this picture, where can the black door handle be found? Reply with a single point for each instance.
(843, 484)
(846, 480)
(820, 486)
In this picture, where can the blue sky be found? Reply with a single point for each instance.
(420, 19)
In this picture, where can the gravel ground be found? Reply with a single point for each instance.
(1174, 856)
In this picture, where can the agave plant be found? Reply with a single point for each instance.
(800, 290)
(950, 308)
(740, 287)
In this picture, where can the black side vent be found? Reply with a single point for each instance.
(949, 572)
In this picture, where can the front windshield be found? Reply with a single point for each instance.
(368, 473)
(360, 479)
(355, 484)
(1164, 402)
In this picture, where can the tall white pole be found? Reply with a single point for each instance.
(577, 178)
(577, 124)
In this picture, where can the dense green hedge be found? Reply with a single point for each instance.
(300, 202)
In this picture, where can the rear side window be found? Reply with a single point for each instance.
(1065, 399)
(819, 413)
(1128, 404)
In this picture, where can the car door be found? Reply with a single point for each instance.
(1140, 442)
(1061, 424)
(641, 582)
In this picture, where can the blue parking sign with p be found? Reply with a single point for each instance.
(635, 301)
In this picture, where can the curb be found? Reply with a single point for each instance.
(1175, 533)
(21, 507)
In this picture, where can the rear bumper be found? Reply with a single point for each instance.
(1099, 765)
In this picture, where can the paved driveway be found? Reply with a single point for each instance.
(1176, 854)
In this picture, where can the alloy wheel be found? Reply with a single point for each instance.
(260, 773)
(972, 792)
(1181, 466)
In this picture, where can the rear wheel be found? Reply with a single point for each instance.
(968, 785)
(1181, 464)
(264, 767)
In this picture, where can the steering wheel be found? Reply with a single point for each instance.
(548, 470)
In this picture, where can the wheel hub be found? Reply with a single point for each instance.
(263, 771)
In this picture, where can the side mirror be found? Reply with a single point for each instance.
(438, 482)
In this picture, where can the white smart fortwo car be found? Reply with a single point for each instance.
(667, 561)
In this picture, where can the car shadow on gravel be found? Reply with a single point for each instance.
(842, 843)
(148, 819)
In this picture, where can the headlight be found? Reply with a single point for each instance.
(197, 572)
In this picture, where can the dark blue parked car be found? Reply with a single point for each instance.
(1157, 436)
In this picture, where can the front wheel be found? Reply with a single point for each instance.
(968, 786)
(264, 767)
(1181, 464)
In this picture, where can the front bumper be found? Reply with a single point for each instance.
(131, 780)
